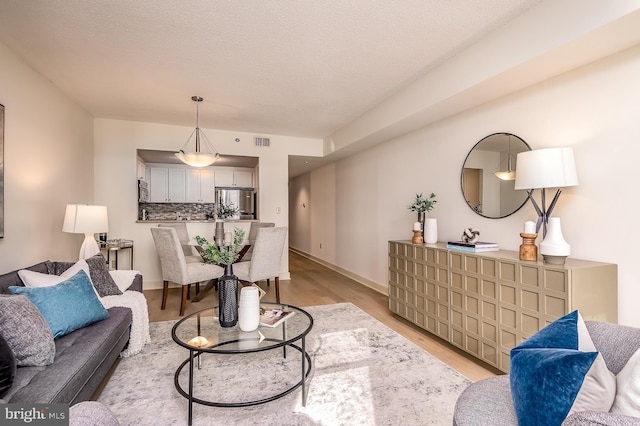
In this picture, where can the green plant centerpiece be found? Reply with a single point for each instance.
(423, 205)
(223, 254)
(226, 211)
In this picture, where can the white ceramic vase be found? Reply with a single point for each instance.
(249, 309)
(430, 231)
(554, 249)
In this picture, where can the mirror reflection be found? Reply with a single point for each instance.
(488, 176)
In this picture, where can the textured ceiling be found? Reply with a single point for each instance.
(299, 68)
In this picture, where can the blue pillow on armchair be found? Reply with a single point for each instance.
(557, 372)
(67, 306)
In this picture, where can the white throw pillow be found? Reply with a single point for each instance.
(627, 400)
(123, 278)
(38, 279)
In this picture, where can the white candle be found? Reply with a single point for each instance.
(227, 238)
(529, 227)
(417, 226)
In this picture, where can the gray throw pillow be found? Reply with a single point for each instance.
(26, 331)
(98, 270)
(102, 280)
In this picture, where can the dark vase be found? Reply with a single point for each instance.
(228, 298)
(421, 216)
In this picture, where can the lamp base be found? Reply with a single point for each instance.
(89, 247)
(554, 260)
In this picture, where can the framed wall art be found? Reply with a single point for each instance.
(1, 171)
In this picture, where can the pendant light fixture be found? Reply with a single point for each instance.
(198, 158)
(508, 174)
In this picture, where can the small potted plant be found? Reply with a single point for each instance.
(226, 211)
(423, 205)
(223, 254)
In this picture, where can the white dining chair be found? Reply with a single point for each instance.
(266, 258)
(185, 241)
(176, 269)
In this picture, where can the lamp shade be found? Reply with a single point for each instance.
(83, 219)
(197, 159)
(87, 220)
(546, 168)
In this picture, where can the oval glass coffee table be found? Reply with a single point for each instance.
(201, 333)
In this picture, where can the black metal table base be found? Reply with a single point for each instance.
(193, 354)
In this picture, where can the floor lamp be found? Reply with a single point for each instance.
(541, 169)
(88, 220)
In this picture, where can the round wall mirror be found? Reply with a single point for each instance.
(488, 176)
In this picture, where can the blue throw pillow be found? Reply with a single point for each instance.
(67, 306)
(557, 372)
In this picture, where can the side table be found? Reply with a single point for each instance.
(116, 246)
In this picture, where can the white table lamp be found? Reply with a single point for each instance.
(545, 168)
(88, 220)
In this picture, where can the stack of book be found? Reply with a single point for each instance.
(476, 247)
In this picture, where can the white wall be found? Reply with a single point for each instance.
(593, 109)
(47, 164)
(116, 142)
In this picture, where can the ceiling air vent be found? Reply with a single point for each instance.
(260, 141)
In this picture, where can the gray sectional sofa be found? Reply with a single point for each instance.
(83, 358)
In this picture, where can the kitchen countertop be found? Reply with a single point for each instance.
(195, 221)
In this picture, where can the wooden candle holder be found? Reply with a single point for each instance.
(417, 237)
(528, 248)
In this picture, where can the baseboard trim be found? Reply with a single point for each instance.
(358, 278)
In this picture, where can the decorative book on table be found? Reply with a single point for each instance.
(272, 317)
(477, 247)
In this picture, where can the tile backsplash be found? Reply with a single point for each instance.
(176, 211)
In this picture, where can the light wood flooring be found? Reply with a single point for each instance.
(314, 284)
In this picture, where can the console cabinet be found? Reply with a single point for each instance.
(486, 303)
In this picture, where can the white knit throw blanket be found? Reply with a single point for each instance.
(135, 301)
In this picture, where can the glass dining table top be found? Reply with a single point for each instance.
(201, 331)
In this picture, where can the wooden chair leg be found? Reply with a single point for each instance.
(183, 302)
(188, 291)
(197, 287)
(165, 289)
(268, 283)
(277, 289)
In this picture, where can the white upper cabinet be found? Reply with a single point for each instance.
(176, 186)
(170, 183)
(141, 170)
(167, 185)
(199, 186)
(232, 178)
(243, 179)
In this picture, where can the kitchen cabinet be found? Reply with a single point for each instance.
(487, 303)
(166, 185)
(200, 186)
(141, 169)
(234, 178)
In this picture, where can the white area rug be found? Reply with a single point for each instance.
(363, 374)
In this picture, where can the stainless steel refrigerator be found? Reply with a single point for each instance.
(242, 198)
